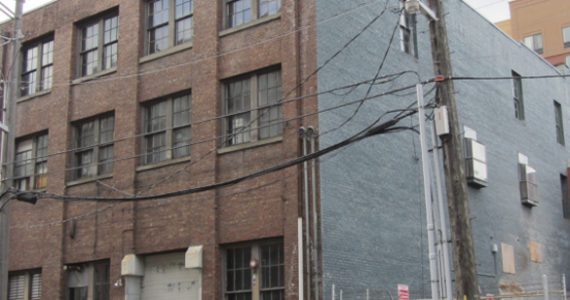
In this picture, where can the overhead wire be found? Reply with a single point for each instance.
(381, 65)
(52, 171)
(369, 131)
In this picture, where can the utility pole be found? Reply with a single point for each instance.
(466, 281)
(8, 145)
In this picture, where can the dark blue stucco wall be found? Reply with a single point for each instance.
(373, 214)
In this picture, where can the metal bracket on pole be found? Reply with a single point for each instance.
(4, 128)
(428, 12)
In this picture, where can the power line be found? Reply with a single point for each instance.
(394, 91)
(371, 130)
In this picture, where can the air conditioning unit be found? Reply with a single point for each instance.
(475, 163)
(528, 185)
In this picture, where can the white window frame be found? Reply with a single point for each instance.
(535, 42)
(34, 167)
(566, 36)
(171, 24)
(559, 121)
(168, 130)
(25, 285)
(249, 128)
(518, 96)
(94, 168)
(87, 273)
(255, 11)
(40, 67)
(408, 33)
(257, 274)
(103, 59)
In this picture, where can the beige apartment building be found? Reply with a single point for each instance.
(544, 26)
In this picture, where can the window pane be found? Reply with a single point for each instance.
(86, 134)
(36, 289)
(31, 59)
(106, 129)
(47, 53)
(156, 118)
(111, 26)
(566, 36)
(155, 148)
(268, 7)
(157, 12)
(23, 164)
(105, 160)
(101, 281)
(181, 111)
(90, 62)
(16, 286)
(90, 34)
(158, 39)
(47, 78)
(183, 30)
(269, 94)
(239, 12)
(181, 142)
(184, 8)
(29, 83)
(41, 175)
(238, 129)
(85, 163)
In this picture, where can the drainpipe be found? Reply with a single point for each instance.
(311, 134)
(302, 133)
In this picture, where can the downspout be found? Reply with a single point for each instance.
(302, 133)
(311, 134)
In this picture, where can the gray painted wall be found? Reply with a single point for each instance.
(373, 214)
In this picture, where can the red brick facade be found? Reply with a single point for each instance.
(54, 233)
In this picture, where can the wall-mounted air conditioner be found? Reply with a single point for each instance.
(475, 163)
(528, 185)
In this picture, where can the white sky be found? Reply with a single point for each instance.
(494, 10)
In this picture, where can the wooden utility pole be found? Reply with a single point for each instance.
(466, 283)
(8, 144)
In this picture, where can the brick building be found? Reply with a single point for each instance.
(148, 97)
(544, 26)
(125, 98)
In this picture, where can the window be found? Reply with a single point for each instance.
(566, 36)
(534, 42)
(408, 33)
(25, 285)
(518, 96)
(88, 279)
(559, 123)
(567, 61)
(565, 196)
(37, 68)
(167, 27)
(166, 126)
(93, 153)
(239, 12)
(252, 109)
(99, 44)
(241, 281)
(30, 164)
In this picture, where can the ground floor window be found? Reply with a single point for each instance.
(254, 269)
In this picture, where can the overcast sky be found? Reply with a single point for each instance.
(494, 10)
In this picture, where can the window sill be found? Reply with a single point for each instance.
(88, 179)
(162, 164)
(166, 52)
(249, 24)
(244, 146)
(94, 76)
(32, 96)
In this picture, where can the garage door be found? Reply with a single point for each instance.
(165, 277)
